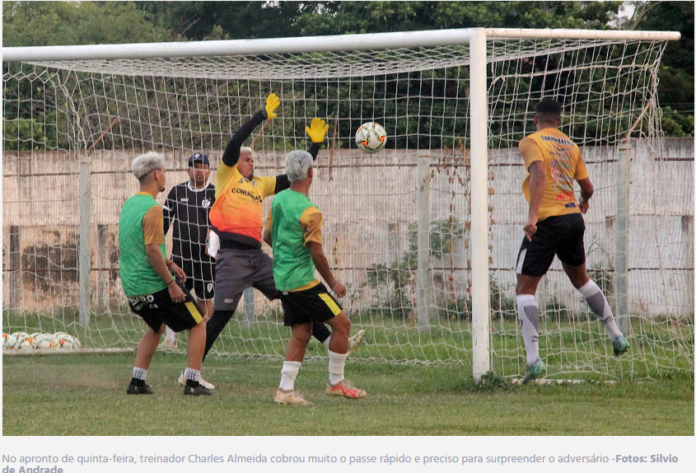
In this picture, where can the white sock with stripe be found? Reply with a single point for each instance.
(528, 312)
(192, 375)
(337, 364)
(288, 375)
(599, 305)
(139, 373)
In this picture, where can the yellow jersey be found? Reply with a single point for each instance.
(237, 213)
(562, 163)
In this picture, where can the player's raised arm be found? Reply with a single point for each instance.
(231, 155)
(316, 132)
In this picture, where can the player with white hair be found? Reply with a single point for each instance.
(294, 230)
(152, 283)
(236, 219)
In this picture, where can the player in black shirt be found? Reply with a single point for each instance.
(186, 211)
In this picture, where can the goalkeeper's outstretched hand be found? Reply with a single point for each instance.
(272, 102)
(317, 130)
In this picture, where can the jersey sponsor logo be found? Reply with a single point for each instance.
(139, 301)
(237, 190)
(570, 205)
(564, 196)
(560, 141)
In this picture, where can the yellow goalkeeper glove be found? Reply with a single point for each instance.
(272, 102)
(317, 130)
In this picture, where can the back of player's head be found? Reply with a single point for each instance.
(146, 163)
(548, 110)
(297, 165)
(246, 149)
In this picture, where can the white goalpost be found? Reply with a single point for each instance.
(424, 233)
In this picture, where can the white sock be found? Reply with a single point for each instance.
(171, 334)
(337, 363)
(139, 373)
(528, 312)
(599, 305)
(288, 375)
(191, 374)
(326, 342)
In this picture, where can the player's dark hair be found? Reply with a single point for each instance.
(548, 110)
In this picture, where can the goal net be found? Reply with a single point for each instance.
(396, 223)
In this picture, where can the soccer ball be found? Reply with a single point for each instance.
(371, 137)
(45, 341)
(18, 338)
(25, 344)
(66, 341)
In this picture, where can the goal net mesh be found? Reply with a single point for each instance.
(63, 117)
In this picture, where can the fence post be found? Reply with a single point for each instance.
(85, 262)
(423, 275)
(15, 270)
(621, 248)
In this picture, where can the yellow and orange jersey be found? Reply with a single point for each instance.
(237, 213)
(563, 165)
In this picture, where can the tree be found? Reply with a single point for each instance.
(374, 17)
(66, 23)
(676, 88)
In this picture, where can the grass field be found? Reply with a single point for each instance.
(574, 347)
(85, 395)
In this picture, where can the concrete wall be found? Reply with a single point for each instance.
(368, 203)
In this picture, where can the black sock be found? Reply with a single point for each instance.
(137, 382)
(192, 384)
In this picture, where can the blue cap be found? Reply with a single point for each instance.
(198, 158)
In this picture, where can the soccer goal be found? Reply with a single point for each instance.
(424, 234)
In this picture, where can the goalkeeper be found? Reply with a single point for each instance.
(237, 219)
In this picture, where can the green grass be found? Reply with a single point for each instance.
(576, 347)
(85, 395)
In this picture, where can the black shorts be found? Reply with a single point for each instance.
(159, 308)
(562, 236)
(200, 277)
(311, 305)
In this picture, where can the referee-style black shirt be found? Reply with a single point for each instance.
(186, 209)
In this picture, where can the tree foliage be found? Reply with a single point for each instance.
(54, 23)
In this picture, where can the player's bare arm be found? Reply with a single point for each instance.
(154, 255)
(322, 265)
(586, 191)
(536, 192)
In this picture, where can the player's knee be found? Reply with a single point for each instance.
(341, 323)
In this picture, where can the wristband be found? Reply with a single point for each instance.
(170, 282)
